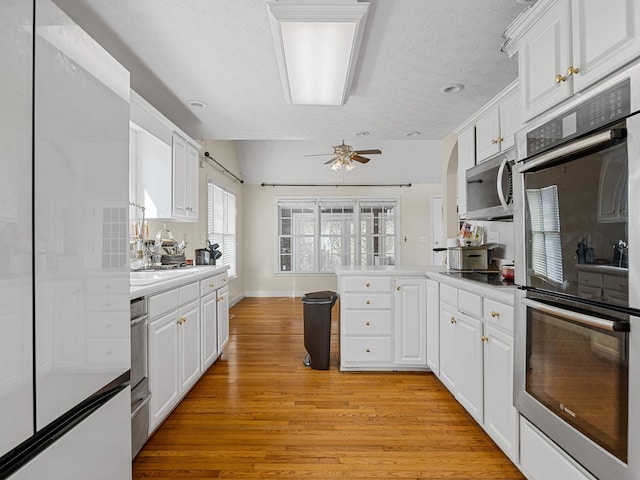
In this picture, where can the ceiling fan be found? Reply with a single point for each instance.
(345, 155)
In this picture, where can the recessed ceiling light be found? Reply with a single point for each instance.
(364, 133)
(197, 103)
(452, 88)
(413, 133)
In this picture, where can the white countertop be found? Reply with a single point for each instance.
(503, 294)
(149, 282)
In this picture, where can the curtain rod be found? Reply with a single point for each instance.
(335, 185)
(209, 157)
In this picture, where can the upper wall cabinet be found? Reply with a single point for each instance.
(496, 128)
(566, 45)
(163, 165)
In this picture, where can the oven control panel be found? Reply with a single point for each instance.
(604, 109)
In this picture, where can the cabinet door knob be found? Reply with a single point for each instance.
(219, 299)
(368, 302)
(485, 338)
(560, 78)
(499, 140)
(495, 314)
(367, 285)
(398, 288)
(211, 285)
(453, 319)
(573, 70)
(182, 320)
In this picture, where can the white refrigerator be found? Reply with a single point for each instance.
(64, 284)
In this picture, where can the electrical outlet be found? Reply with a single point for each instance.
(259, 277)
(492, 237)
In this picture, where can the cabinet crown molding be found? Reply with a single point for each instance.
(523, 22)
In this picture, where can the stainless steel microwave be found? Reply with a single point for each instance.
(489, 190)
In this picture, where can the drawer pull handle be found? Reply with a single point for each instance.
(484, 338)
(368, 350)
(368, 302)
(182, 320)
(368, 285)
(211, 285)
(453, 319)
(495, 314)
(368, 323)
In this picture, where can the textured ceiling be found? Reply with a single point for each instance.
(221, 52)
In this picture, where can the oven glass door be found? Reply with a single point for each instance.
(577, 367)
(576, 223)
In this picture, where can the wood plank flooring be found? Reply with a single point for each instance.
(259, 413)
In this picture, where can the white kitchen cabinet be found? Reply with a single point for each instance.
(185, 179)
(214, 310)
(208, 311)
(541, 459)
(163, 367)
(448, 357)
(383, 322)
(174, 348)
(469, 367)
(500, 416)
(222, 314)
(433, 326)
(566, 45)
(165, 164)
(189, 345)
(466, 160)
(496, 129)
(410, 321)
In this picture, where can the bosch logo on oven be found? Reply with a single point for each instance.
(567, 410)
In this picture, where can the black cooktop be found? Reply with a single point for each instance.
(493, 278)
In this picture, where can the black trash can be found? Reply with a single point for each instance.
(317, 328)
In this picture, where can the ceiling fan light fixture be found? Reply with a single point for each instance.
(317, 47)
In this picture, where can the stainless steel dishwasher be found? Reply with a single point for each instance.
(140, 394)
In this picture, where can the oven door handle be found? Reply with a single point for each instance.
(581, 318)
(574, 147)
(138, 320)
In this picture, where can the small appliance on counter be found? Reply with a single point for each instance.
(471, 258)
(202, 256)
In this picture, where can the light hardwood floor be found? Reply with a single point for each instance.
(259, 413)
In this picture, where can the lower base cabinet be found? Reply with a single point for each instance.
(541, 459)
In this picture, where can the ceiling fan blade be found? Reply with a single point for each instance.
(369, 152)
(360, 159)
(319, 155)
(330, 161)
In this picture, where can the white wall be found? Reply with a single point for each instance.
(196, 233)
(260, 226)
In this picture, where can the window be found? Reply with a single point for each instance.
(221, 225)
(546, 251)
(318, 235)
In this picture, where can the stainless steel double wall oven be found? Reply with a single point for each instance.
(577, 345)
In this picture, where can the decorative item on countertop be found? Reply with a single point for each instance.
(470, 235)
(170, 251)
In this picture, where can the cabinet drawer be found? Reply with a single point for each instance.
(615, 282)
(366, 350)
(364, 284)
(212, 284)
(499, 314)
(105, 325)
(366, 323)
(163, 302)
(449, 295)
(108, 303)
(365, 301)
(470, 303)
(189, 293)
(590, 279)
(111, 352)
(590, 292)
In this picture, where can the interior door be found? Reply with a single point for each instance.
(16, 354)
